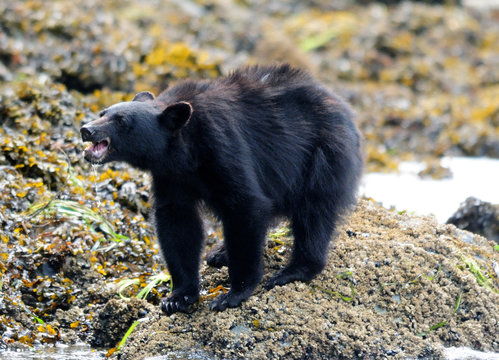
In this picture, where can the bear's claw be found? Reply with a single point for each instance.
(178, 303)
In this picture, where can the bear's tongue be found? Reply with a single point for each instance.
(98, 148)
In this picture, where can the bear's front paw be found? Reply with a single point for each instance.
(231, 300)
(178, 302)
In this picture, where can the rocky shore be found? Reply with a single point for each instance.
(396, 286)
(423, 81)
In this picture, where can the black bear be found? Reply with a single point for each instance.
(259, 143)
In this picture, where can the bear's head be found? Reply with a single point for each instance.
(136, 131)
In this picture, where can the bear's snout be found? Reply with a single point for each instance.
(97, 152)
(86, 133)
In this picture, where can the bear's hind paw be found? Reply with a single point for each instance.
(217, 256)
(231, 300)
(290, 274)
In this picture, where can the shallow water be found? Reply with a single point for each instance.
(60, 352)
(78, 352)
(182, 355)
(464, 353)
(82, 351)
(405, 190)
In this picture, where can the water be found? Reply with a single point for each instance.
(84, 352)
(464, 353)
(182, 355)
(405, 190)
(59, 352)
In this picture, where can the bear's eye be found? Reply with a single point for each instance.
(120, 119)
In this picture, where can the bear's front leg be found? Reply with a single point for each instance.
(244, 237)
(180, 235)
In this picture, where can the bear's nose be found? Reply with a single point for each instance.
(86, 133)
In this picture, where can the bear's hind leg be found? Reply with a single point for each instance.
(312, 232)
(327, 194)
(217, 256)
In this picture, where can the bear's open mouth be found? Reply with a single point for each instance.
(97, 150)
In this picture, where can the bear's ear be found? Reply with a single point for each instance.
(143, 96)
(177, 115)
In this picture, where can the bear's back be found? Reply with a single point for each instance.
(267, 81)
(270, 76)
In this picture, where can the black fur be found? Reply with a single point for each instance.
(260, 143)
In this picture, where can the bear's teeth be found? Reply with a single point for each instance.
(90, 147)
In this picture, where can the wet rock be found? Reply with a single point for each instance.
(479, 217)
(90, 47)
(113, 320)
(435, 170)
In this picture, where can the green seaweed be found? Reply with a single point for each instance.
(345, 274)
(278, 234)
(125, 283)
(319, 40)
(413, 281)
(431, 278)
(79, 211)
(125, 337)
(153, 281)
(443, 323)
(472, 266)
(128, 332)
